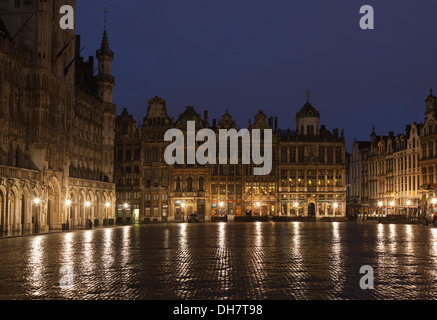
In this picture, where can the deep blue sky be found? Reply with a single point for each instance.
(246, 55)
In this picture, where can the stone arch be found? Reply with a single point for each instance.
(81, 205)
(2, 208)
(14, 197)
(312, 209)
(26, 210)
(98, 206)
(53, 215)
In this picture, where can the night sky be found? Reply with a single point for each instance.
(246, 55)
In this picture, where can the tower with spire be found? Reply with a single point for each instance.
(105, 86)
(105, 81)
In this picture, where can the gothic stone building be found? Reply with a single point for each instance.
(57, 123)
(307, 179)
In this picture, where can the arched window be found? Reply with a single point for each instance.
(201, 184)
(190, 184)
(178, 184)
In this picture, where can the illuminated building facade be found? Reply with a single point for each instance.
(57, 133)
(395, 174)
(308, 170)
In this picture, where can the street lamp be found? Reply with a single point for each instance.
(392, 205)
(296, 207)
(107, 205)
(125, 207)
(36, 201)
(335, 208)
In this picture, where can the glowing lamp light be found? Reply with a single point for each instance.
(36, 201)
(221, 204)
(87, 204)
(107, 204)
(258, 204)
(182, 204)
(392, 203)
(68, 202)
(408, 203)
(335, 205)
(125, 205)
(434, 200)
(380, 204)
(296, 204)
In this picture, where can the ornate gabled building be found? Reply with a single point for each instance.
(128, 168)
(308, 168)
(390, 174)
(312, 168)
(428, 154)
(57, 123)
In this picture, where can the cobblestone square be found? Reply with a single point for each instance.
(219, 261)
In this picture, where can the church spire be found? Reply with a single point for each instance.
(105, 81)
(104, 46)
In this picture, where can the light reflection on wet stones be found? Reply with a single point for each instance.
(224, 261)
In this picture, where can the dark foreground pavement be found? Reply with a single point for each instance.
(239, 261)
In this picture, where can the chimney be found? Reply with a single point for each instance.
(205, 118)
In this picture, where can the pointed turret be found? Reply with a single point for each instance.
(105, 80)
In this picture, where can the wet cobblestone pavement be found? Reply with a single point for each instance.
(224, 261)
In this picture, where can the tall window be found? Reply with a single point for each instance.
(283, 178)
(231, 170)
(330, 178)
(264, 188)
(338, 157)
(311, 178)
(322, 154)
(222, 188)
(292, 155)
(201, 184)
(222, 170)
(165, 178)
(330, 155)
(248, 188)
(284, 155)
(321, 180)
(292, 178)
(214, 188)
(239, 188)
(256, 188)
(338, 178)
(272, 188)
(301, 154)
(148, 178)
(301, 178)
(178, 184)
(190, 184)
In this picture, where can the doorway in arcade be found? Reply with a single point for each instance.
(178, 215)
